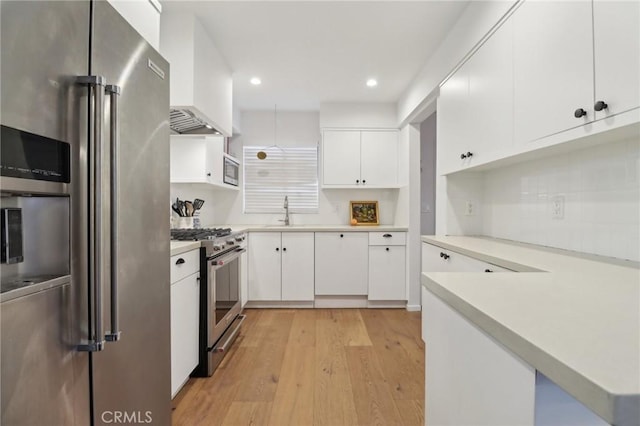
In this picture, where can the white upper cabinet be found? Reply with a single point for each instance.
(341, 157)
(352, 158)
(475, 107)
(617, 56)
(553, 68)
(379, 158)
(198, 159)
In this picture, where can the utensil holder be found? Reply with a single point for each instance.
(184, 222)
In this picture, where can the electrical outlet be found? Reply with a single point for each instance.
(469, 209)
(557, 207)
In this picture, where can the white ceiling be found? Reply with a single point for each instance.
(322, 51)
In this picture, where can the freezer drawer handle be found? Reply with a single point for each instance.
(114, 134)
(96, 85)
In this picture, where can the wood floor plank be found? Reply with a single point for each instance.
(303, 328)
(333, 397)
(293, 402)
(260, 381)
(406, 379)
(373, 400)
(403, 327)
(412, 411)
(353, 329)
(247, 413)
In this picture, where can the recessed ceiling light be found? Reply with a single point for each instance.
(256, 81)
(372, 82)
(208, 126)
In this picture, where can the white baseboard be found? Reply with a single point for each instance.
(414, 308)
(262, 304)
(394, 304)
(341, 302)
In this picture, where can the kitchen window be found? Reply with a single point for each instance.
(284, 171)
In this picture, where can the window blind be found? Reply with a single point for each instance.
(291, 171)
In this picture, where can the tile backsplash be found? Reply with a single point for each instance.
(587, 201)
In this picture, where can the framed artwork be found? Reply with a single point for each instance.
(364, 213)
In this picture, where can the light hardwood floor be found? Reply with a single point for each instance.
(314, 367)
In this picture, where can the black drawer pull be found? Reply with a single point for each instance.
(277, 248)
(488, 270)
(180, 261)
(341, 235)
(387, 236)
(445, 256)
(387, 248)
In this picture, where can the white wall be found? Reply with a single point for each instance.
(293, 129)
(474, 23)
(358, 115)
(601, 191)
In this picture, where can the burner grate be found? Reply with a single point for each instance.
(199, 234)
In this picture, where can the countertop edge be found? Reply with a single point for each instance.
(314, 228)
(596, 398)
(179, 247)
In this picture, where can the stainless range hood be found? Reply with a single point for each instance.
(185, 121)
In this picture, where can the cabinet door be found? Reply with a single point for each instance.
(617, 55)
(490, 104)
(466, 368)
(379, 158)
(185, 308)
(387, 273)
(188, 160)
(341, 263)
(553, 67)
(297, 266)
(341, 157)
(453, 114)
(264, 266)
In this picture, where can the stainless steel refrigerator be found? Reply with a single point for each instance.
(90, 342)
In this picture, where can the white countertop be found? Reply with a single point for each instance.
(179, 247)
(312, 228)
(577, 320)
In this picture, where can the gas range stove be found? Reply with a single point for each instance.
(215, 241)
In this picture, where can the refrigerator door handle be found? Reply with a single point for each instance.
(96, 92)
(114, 135)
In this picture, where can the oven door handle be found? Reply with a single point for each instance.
(221, 261)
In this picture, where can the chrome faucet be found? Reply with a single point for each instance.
(286, 211)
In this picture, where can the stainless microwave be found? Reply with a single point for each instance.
(231, 171)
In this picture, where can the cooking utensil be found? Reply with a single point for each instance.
(176, 209)
(189, 207)
(197, 203)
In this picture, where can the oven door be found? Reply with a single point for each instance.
(223, 294)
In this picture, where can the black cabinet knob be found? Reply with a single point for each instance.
(463, 156)
(364, 181)
(488, 270)
(441, 254)
(600, 105)
(180, 261)
(277, 249)
(469, 154)
(387, 248)
(284, 249)
(579, 113)
(341, 235)
(357, 180)
(208, 174)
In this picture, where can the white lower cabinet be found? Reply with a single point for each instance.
(387, 267)
(470, 378)
(185, 308)
(437, 259)
(341, 263)
(281, 266)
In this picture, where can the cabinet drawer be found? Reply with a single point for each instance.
(387, 238)
(185, 264)
(437, 259)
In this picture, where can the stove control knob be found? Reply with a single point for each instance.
(238, 239)
(217, 247)
(230, 242)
